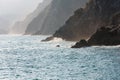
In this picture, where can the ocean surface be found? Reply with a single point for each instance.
(27, 58)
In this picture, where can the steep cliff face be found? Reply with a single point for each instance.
(20, 26)
(36, 23)
(86, 20)
(58, 13)
(105, 35)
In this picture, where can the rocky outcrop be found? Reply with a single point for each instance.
(20, 26)
(81, 43)
(107, 35)
(58, 12)
(48, 39)
(86, 21)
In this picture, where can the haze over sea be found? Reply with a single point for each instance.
(27, 58)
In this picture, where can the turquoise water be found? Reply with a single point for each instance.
(26, 58)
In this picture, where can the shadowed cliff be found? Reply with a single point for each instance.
(106, 35)
(58, 13)
(86, 20)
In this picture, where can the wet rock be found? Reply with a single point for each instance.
(82, 43)
(58, 46)
(48, 39)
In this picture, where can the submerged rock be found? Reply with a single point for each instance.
(58, 46)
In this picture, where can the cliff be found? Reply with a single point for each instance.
(106, 35)
(20, 26)
(86, 21)
(58, 13)
(36, 22)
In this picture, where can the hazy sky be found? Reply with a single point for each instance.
(17, 8)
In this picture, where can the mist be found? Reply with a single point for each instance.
(13, 10)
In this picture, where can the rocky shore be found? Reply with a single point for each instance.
(104, 36)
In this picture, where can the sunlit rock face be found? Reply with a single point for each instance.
(86, 20)
(59, 12)
(20, 26)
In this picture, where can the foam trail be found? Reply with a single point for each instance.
(57, 40)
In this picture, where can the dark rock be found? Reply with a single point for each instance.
(58, 46)
(106, 36)
(86, 21)
(82, 43)
(48, 39)
(115, 19)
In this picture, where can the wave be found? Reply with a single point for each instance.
(116, 46)
(55, 39)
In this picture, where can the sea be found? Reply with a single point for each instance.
(27, 58)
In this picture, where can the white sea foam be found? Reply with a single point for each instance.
(55, 39)
(116, 46)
